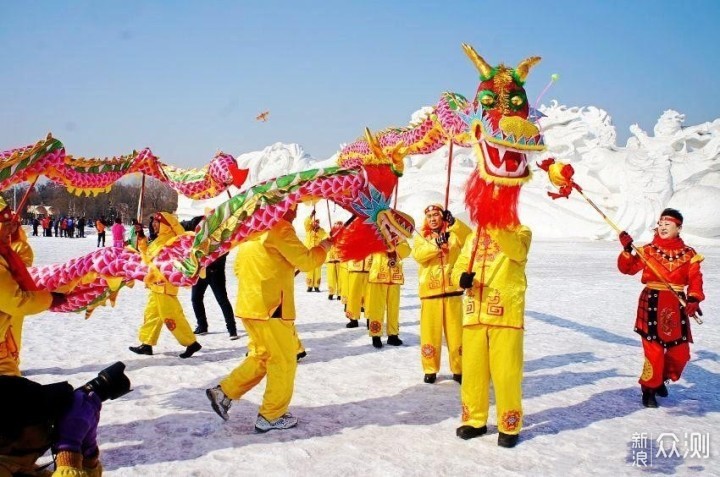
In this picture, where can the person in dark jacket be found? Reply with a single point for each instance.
(216, 280)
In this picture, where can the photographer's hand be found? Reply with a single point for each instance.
(79, 423)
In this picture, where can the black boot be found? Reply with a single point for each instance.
(352, 324)
(430, 378)
(142, 349)
(339, 297)
(309, 289)
(317, 289)
(393, 340)
(507, 440)
(469, 432)
(330, 297)
(201, 330)
(301, 355)
(648, 398)
(377, 342)
(190, 350)
(457, 378)
(662, 391)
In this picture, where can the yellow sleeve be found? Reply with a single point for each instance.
(286, 241)
(513, 243)
(424, 250)
(462, 262)
(403, 250)
(22, 248)
(461, 230)
(17, 302)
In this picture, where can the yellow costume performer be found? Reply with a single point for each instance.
(357, 290)
(383, 294)
(266, 269)
(333, 268)
(19, 295)
(493, 321)
(163, 306)
(314, 234)
(440, 295)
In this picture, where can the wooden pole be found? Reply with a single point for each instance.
(140, 200)
(24, 200)
(647, 263)
(447, 184)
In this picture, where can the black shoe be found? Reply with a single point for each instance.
(234, 336)
(469, 432)
(309, 289)
(457, 378)
(201, 330)
(352, 324)
(190, 350)
(317, 289)
(339, 297)
(662, 391)
(330, 297)
(430, 378)
(393, 340)
(362, 309)
(301, 355)
(648, 398)
(508, 440)
(142, 349)
(377, 342)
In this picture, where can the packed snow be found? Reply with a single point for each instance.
(367, 412)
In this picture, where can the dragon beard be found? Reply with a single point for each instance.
(492, 206)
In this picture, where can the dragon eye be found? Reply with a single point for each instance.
(517, 101)
(487, 99)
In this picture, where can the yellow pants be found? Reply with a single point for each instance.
(438, 315)
(10, 350)
(165, 309)
(333, 278)
(312, 278)
(492, 353)
(382, 298)
(357, 289)
(273, 353)
(344, 285)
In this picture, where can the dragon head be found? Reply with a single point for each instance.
(502, 134)
(375, 227)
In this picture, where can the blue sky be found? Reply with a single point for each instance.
(187, 78)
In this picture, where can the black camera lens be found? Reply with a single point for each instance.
(111, 383)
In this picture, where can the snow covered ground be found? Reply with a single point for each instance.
(367, 412)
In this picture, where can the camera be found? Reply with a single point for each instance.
(111, 383)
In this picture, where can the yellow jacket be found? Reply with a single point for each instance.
(167, 234)
(359, 265)
(313, 237)
(265, 267)
(21, 246)
(436, 265)
(500, 272)
(382, 272)
(15, 303)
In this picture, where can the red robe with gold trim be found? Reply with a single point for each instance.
(659, 316)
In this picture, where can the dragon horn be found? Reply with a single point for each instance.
(483, 67)
(374, 144)
(523, 68)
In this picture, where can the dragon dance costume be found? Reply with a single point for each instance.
(383, 292)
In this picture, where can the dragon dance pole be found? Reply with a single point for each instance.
(561, 175)
(327, 202)
(140, 200)
(447, 184)
(24, 200)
